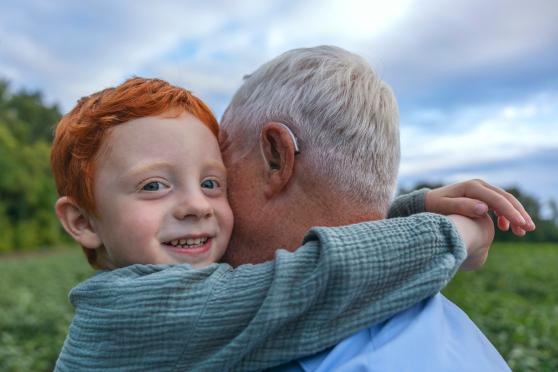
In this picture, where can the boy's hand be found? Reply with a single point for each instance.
(477, 234)
(474, 199)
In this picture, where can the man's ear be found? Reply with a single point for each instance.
(278, 148)
(76, 223)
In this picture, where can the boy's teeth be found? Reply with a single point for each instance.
(188, 242)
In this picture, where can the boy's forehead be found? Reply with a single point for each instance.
(182, 138)
(148, 128)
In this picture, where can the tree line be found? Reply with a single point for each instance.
(27, 191)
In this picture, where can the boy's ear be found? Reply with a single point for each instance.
(76, 223)
(278, 147)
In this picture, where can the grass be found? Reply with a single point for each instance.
(513, 299)
(34, 307)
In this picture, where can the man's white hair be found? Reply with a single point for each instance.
(344, 117)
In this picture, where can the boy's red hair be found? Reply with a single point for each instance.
(81, 132)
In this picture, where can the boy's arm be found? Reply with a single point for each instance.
(408, 204)
(342, 280)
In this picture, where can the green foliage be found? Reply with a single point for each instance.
(26, 116)
(27, 192)
(513, 300)
(34, 307)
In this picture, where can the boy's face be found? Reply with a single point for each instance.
(160, 190)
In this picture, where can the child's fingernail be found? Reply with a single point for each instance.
(480, 209)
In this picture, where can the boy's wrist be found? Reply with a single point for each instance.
(477, 235)
(466, 229)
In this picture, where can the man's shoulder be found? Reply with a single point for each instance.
(431, 335)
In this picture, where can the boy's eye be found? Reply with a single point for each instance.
(209, 184)
(153, 186)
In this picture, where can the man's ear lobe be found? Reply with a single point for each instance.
(278, 150)
(77, 223)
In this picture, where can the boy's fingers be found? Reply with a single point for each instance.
(517, 230)
(469, 198)
(464, 206)
(529, 225)
(502, 202)
(503, 223)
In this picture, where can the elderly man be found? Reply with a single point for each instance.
(311, 138)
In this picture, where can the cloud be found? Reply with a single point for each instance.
(469, 50)
(514, 144)
(479, 134)
(532, 173)
(424, 49)
(99, 44)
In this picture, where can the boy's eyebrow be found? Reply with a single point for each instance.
(139, 169)
(217, 165)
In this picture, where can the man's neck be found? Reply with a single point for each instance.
(326, 210)
(283, 222)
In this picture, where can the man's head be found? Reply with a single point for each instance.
(345, 120)
(131, 151)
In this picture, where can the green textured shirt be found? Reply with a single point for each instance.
(177, 318)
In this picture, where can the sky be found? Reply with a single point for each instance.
(476, 81)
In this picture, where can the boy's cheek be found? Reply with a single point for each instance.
(228, 218)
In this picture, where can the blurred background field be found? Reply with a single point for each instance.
(513, 299)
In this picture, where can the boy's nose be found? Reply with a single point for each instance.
(193, 205)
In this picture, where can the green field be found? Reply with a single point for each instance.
(513, 299)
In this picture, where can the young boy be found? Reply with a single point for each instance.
(143, 190)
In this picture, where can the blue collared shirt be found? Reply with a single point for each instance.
(434, 335)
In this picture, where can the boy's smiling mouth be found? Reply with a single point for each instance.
(189, 245)
(187, 242)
